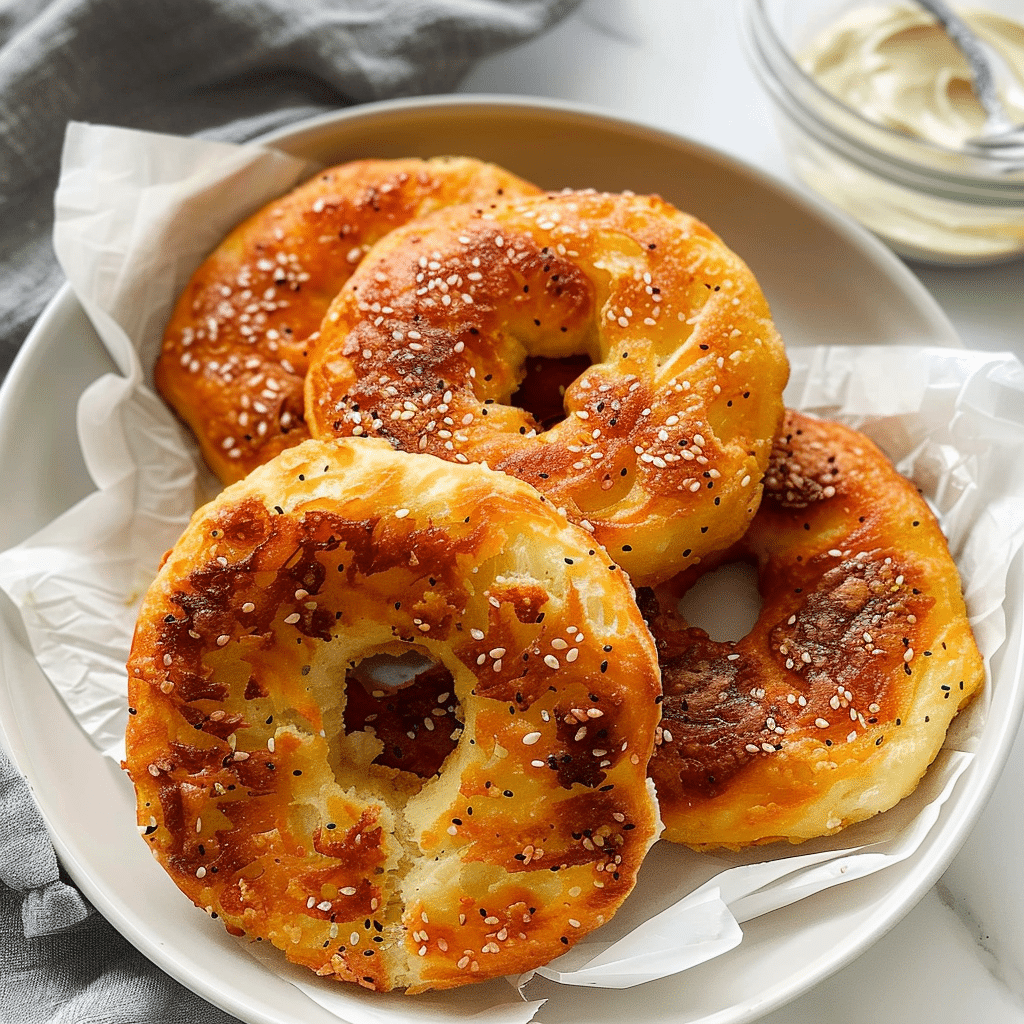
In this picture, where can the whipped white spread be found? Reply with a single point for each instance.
(896, 66)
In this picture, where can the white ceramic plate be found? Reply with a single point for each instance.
(827, 280)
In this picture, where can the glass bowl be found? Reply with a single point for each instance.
(927, 202)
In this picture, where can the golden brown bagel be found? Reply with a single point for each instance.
(665, 436)
(836, 702)
(236, 347)
(271, 806)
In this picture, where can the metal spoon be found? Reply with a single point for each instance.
(1000, 133)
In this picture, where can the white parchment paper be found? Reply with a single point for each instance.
(136, 213)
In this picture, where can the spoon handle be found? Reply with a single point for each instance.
(981, 69)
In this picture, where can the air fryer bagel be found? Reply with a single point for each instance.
(483, 854)
(665, 434)
(833, 706)
(396, 707)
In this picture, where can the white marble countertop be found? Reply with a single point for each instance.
(679, 65)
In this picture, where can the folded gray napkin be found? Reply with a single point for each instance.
(226, 69)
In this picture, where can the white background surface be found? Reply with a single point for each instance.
(680, 65)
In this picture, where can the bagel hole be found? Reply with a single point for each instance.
(407, 701)
(391, 671)
(725, 602)
(541, 392)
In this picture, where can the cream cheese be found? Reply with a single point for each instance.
(894, 87)
(896, 67)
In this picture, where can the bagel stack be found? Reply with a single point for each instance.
(404, 492)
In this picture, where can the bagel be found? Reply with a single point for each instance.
(665, 434)
(832, 707)
(235, 349)
(520, 818)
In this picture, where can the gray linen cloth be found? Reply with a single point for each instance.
(226, 69)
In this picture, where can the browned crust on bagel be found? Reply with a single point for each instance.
(237, 345)
(831, 709)
(268, 812)
(665, 437)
